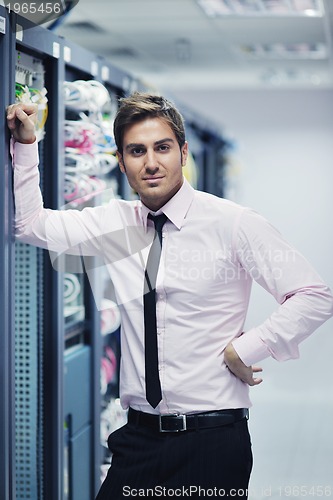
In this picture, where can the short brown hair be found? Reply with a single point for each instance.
(141, 105)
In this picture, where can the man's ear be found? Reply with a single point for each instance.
(184, 153)
(121, 162)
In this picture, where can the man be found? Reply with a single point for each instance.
(186, 366)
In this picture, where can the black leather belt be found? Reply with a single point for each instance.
(179, 423)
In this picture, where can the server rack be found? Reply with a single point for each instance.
(7, 361)
(59, 421)
(46, 396)
(83, 65)
(209, 148)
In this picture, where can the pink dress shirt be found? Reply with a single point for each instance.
(212, 250)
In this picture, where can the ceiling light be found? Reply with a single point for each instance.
(278, 51)
(214, 8)
(281, 77)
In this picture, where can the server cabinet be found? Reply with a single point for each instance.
(86, 71)
(38, 459)
(7, 348)
(62, 346)
(209, 148)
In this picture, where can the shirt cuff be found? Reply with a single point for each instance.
(25, 155)
(250, 348)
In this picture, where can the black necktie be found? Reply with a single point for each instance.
(153, 386)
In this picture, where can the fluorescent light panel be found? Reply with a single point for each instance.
(276, 51)
(214, 8)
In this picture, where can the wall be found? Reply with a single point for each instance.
(285, 171)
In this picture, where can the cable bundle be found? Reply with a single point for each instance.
(86, 143)
(89, 143)
(112, 417)
(72, 295)
(26, 94)
(72, 288)
(88, 95)
(81, 188)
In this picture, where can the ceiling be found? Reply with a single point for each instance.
(174, 45)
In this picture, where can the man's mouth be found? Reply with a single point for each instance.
(153, 178)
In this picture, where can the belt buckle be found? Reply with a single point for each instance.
(183, 420)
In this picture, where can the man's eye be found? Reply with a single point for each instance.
(137, 151)
(163, 147)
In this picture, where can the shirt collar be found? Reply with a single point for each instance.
(176, 208)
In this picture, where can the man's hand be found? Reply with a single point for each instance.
(21, 119)
(239, 369)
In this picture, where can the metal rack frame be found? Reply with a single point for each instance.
(7, 411)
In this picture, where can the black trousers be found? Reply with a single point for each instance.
(200, 463)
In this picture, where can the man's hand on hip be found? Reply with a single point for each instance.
(21, 120)
(239, 369)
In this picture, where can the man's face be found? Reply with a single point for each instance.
(153, 161)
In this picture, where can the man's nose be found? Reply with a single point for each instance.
(151, 159)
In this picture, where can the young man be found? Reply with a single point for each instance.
(187, 364)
